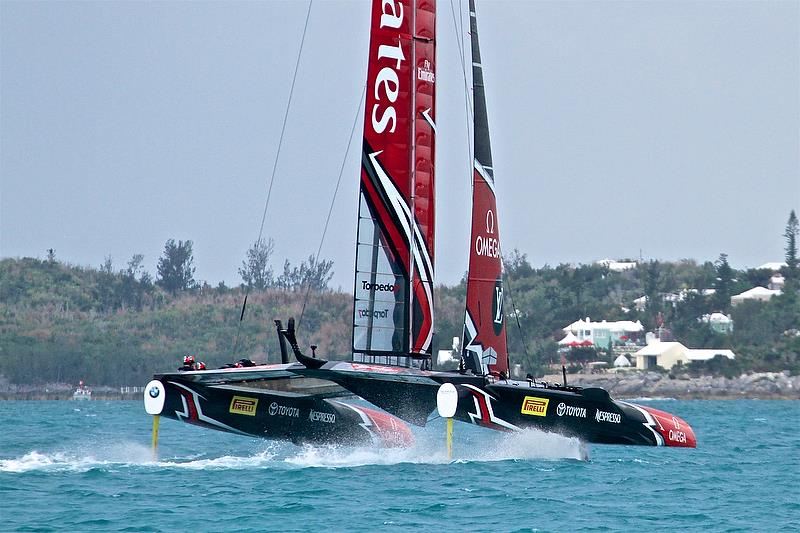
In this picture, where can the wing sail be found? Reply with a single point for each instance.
(393, 311)
(484, 337)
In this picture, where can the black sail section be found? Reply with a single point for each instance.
(484, 338)
(483, 147)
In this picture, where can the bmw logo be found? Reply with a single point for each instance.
(154, 392)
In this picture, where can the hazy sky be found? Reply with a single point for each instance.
(670, 129)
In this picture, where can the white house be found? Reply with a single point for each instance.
(707, 355)
(774, 266)
(776, 282)
(668, 354)
(761, 294)
(617, 266)
(673, 298)
(718, 322)
(601, 334)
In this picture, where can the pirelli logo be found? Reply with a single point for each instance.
(242, 405)
(534, 406)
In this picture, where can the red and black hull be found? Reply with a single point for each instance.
(507, 405)
(589, 414)
(272, 403)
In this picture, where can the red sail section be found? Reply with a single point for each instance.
(423, 174)
(393, 312)
(484, 339)
(485, 326)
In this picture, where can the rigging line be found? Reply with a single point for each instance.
(458, 27)
(275, 165)
(467, 101)
(461, 19)
(333, 200)
(285, 120)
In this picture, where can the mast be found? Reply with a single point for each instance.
(393, 296)
(484, 338)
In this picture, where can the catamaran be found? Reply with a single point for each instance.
(272, 402)
(393, 310)
(393, 314)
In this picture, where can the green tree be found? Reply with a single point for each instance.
(135, 283)
(175, 268)
(106, 285)
(255, 270)
(791, 234)
(311, 273)
(723, 284)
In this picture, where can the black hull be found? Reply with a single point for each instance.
(506, 405)
(589, 414)
(275, 404)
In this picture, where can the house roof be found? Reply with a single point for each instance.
(617, 266)
(705, 355)
(619, 325)
(717, 318)
(657, 348)
(756, 292)
(774, 266)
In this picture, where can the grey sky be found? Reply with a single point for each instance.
(667, 127)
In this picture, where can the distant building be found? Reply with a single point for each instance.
(669, 354)
(718, 322)
(776, 282)
(761, 294)
(602, 334)
(772, 267)
(617, 266)
(672, 297)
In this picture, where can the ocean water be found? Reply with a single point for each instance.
(88, 466)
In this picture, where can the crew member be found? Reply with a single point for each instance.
(188, 364)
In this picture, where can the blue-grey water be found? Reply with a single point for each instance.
(88, 466)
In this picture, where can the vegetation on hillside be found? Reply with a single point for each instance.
(63, 323)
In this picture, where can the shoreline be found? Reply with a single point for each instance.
(621, 385)
(64, 391)
(634, 384)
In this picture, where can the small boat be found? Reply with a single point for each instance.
(82, 392)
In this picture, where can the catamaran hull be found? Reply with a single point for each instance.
(589, 414)
(277, 415)
(507, 405)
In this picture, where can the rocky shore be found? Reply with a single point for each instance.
(63, 391)
(622, 385)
